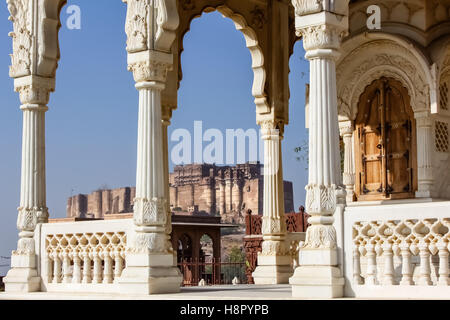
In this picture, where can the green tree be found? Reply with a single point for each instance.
(236, 255)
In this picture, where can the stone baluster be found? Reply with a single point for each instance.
(371, 272)
(76, 278)
(108, 267)
(348, 177)
(388, 258)
(33, 67)
(274, 261)
(357, 279)
(318, 274)
(97, 278)
(443, 263)
(87, 277)
(118, 265)
(66, 268)
(49, 267)
(425, 270)
(407, 272)
(56, 267)
(424, 154)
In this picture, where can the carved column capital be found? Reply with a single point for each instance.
(150, 66)
(423, 119)
(34, 90)
(346, 128)
(321, 37)
(322, 25)
(271, 129)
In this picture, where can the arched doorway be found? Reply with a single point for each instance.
(385, 143)
(184, 257)
(209, 267)
(184, 248)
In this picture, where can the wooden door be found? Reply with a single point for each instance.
(385, 143)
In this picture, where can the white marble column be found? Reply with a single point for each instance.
(424, 155)
(318, 276)
(346, 129)
(34, 61)
(34, 95)
(166, 116)
(149, 260)
(151, 30)
(274, 262)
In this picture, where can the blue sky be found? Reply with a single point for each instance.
(91, 124)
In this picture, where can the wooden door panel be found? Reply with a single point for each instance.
(385, 143)
(372, 172)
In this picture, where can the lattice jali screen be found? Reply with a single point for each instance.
(444, 92)
(85, 257)
(441, 136)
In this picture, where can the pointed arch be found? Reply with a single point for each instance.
(251, 39)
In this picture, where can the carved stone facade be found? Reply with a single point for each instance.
(216, 190)
(412, 49)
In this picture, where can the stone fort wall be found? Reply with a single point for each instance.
(228, 191)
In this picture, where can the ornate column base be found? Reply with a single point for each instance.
(23, 276)
(318, 275)
(274, 264)
(150, 272)
(425, 189)
(312, 281)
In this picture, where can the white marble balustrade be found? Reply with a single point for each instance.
(388, 254)
(83, 256)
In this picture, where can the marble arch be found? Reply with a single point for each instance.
(262, 27)
(251, 40)
(368, 56)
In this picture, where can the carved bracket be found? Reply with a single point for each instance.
(151, 25)
(35, 37)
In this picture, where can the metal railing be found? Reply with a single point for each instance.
(214, 272)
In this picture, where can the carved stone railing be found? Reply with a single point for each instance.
(396, 243)
(83, 256)
(390, 253)
(296, 224)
